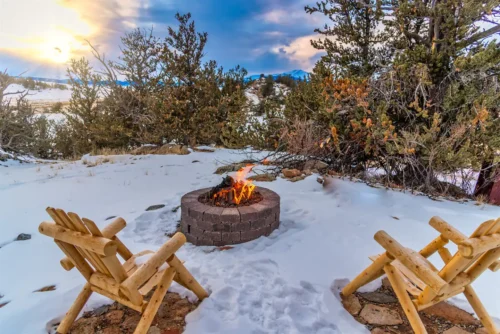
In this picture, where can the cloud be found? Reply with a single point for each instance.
(300, 52)
(287, 16)
(53, 31)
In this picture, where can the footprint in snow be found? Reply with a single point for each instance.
(256, 291)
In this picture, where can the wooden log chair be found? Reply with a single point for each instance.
(411, 274)
(94, 253)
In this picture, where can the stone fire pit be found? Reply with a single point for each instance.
(208, 225)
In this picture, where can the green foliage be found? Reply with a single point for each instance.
(56, 107)
(174, 95)
(286, 80)
(267, 88)
(17, 129)
(353, 40)
(428, 111)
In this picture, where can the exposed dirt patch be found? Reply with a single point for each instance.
(119, 319)
(441, 318)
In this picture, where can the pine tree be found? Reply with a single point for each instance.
(353, 41)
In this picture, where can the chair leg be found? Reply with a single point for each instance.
(481, 312)
(186, 279)
(403, 297)
(154, 303)
(374, 271)
(75, 309)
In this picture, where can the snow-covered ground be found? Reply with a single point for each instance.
(45, 95)
(284, 283)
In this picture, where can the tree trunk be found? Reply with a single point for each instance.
(486, 177)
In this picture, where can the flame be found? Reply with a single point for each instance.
(242, 188)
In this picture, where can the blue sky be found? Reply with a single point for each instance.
(264, 36)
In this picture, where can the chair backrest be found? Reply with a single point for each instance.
(475, 255)
(82, 241)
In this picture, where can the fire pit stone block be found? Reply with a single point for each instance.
(216, 226)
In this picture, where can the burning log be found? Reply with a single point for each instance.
(233, 192)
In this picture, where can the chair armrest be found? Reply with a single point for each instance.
(447, 231)
(476, 246)
(108, 232)
(415, 262)
(148, 269)
(114, 227)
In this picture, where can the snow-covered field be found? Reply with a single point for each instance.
(45, 95)
(285, 283)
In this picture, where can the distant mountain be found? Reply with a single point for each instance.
(296, 74)
(66, 81)
(59, 81)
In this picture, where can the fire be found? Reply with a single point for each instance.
(241, 189)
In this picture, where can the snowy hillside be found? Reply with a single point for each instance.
(284, 283)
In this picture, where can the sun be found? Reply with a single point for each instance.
(57, 46)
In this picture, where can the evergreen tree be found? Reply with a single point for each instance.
(267, 88)
(353, 42)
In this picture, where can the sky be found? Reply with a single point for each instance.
(38, 37)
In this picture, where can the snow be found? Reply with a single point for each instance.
(252, 98)
(55, 117)
(285, 283)
(45, 95)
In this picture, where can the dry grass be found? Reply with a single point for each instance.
(481, 200)
(111, 151)
(98, 161)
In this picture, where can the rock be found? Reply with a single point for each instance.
(85, 326)
(297, 178)
(115, 317)
(46, 288)
(144, 150)
(386, 284)
(451, 313)
(315, 164)
(230, 168)
(378, 315)
(291, 173)
(101, 310)
(110, 217)
(455, 330)
(154, 330)
(351, 304)
(171, 331)
(111, 330)
(203, 149)
(262, 177)
(130, 323)
(181, 312)
(155, 207)
(378, 297)
(380, 331)
(23, 236)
